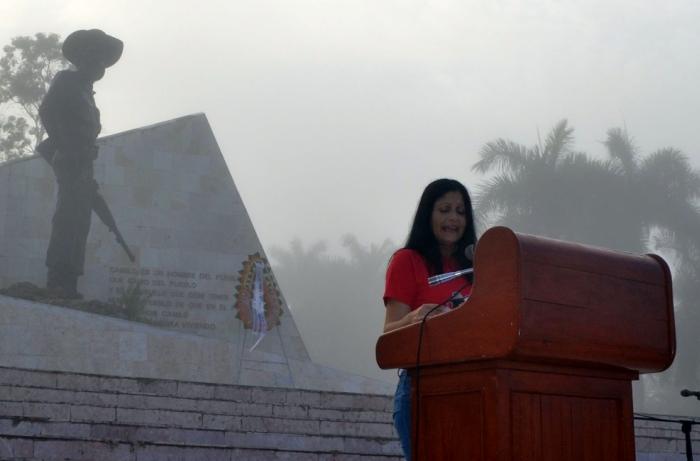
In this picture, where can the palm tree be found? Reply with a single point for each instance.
(626, 202)
(619, 203)
(538, 190)
(668, 189)
(665, 186)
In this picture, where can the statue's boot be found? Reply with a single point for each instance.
(54, 279)
(62, 283)
(72, 286)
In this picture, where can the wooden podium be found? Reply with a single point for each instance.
(537, 365)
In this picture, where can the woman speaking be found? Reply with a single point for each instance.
(442, 229)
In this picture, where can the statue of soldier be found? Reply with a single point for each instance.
(72, 121)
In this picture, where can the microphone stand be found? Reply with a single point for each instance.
(687, 426)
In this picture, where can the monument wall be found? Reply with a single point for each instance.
(176, 204)
(199, 262)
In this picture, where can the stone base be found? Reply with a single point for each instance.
(71, 416)
(46, 337)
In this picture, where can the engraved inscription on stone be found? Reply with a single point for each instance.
(178, 299)
(175, 201)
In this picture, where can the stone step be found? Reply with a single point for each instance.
(38, 449)
(98, 404)
(152, 410)
(85, 433)
(77, 414)
(55, 421)
(59, 415)
(103, 385)
(128, 418)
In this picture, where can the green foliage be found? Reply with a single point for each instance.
(14, 139)
(133, 301)
(26, 70)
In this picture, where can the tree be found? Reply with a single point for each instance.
(26, 70)
(336, 301)
(536, 190)
(619, 203)
(626, 202)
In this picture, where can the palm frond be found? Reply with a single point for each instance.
(501, 155)
(669, 173)
(557, 142)
(581, 162)
(621, 149)
(500, 195)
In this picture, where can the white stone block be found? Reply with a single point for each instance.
(177, 207)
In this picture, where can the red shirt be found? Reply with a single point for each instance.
(407, 281)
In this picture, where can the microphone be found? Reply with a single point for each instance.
(439, 279)
(687, 393)
(469, 252)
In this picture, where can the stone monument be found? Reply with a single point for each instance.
(204, 276)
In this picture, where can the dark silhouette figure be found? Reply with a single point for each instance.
(72, 121)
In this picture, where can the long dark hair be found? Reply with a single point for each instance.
(421, 237)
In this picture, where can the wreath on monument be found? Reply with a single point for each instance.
(258, 297)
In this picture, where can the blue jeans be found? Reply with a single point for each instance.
(402, 413)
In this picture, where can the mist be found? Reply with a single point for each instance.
(333, 115)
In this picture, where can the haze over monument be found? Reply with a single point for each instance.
(417, 82)
(198, 262)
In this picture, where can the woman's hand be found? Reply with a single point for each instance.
(400, 315)
(418, 314)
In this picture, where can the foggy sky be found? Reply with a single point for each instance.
(333, 115)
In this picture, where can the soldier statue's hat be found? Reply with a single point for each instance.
(90, 44)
